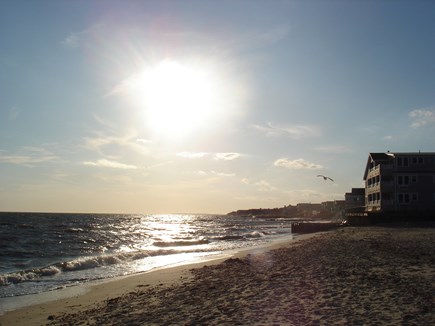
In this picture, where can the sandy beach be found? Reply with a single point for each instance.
(350, 276)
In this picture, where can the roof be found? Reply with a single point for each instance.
(381, 156)
(378, 157)
(385, 157)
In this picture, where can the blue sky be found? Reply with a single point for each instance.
(206, 106)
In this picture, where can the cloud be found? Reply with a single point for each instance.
(296, 164)
(388, 137)
(102, 142)
(144, 141)
(77, 39)
(227, 156)
(246, 181)
(422, 117)
(110, 164)
(215, 173)
(28, 156)
(293, 131)
(72, 41)
(263, 185)
(275, 34)
(192, 155)
(217, 156)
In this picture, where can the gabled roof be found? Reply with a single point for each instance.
(381, 156)
(377, 157)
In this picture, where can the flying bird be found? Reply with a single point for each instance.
(325, 177)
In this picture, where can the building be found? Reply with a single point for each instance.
(355, 200)
(400, 182)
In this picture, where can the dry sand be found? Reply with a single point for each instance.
(351, 276)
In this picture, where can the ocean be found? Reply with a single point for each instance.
(41, 252)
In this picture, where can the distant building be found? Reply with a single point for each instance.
(355, 200)
(400, 182)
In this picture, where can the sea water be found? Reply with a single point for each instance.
(41, 252)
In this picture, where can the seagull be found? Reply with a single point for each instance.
(325, 177)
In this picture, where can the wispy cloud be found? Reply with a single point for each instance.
(214, 173)
(101, 142)
(28, 156)
(422, 117)
(293, 131)
(216, 156)
(246, 181)
(78, 39)
(192, 155)
(227, 156)
(261, 185)
(275, 34)
(72, 41)
(110, 164)
(296, 164)
(144, 141)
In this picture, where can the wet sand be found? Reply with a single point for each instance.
(351, 276)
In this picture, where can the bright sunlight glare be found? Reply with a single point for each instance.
(177, 99)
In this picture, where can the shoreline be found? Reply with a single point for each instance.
(349, 276)
(35, 308)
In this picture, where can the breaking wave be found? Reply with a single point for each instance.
(77, 265)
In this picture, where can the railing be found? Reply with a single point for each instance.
(382, 166)
(373, 184)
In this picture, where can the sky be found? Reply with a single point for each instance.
(206, 106)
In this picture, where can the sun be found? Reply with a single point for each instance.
(176, 99)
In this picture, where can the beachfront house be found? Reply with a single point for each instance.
(400, 182)
(355, 200)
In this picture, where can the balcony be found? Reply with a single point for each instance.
(374, 187)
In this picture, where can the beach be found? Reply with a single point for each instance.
(349, 276)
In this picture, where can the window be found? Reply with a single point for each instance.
(420, 160)
(414, 197)
(403, 180)
(414, 178)
(402, 161)
(403, 198)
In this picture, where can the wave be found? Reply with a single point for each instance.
(255, 234)
(74, 230)
(250, 235)
(229, 237)
(28, 275)
(78, 264)
(181, 243)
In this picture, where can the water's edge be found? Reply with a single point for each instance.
(8, 304)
